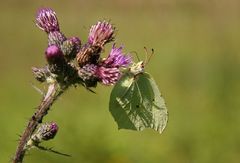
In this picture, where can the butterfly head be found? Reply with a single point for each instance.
(137, 68)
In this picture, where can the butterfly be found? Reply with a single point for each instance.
(136, 102)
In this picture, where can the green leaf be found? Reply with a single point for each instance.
(136, 103)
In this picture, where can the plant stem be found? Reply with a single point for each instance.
(53, 92)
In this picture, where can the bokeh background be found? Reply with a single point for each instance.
(196, 65)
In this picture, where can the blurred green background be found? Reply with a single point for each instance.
(196, 66)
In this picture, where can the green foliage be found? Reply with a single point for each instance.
(136, 103)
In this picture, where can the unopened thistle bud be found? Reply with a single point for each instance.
(54, 54)
(45, 132)
(101, 33)
(46, 20)
(71, 47)
(56, 38)
(40, 74)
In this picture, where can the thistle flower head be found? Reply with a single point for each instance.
(116, 58)
(108, 76)
(101, 33)
(53, 54)
(46, 20)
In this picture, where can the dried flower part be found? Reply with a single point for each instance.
(40, 74)
(56, 38)
(54, 54)
(45, 132)
(71, 47)
(46, 20)
(116, 58)
(101, 33)
(88, 55)
(108, 76)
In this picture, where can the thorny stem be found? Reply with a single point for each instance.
(54, 90)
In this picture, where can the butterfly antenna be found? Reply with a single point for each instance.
(148, 57)
(136, 55)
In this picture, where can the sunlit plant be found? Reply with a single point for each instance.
(135, 101)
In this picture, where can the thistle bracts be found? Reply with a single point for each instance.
(71, 47)
(56, 38)
(88, 75)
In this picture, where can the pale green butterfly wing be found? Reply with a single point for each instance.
(120, 100)
(136, 103)
(153, 102)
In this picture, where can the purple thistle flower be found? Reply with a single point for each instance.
(108, 76)
(53, 54)
(46, 20)
(101, 33)
(116, 58)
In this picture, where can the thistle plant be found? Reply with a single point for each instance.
(135, 101)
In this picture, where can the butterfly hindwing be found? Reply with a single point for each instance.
(153, 102)
(136, 103)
